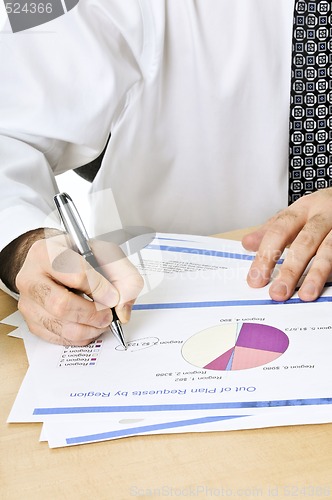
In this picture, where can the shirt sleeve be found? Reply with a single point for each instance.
(63, 87)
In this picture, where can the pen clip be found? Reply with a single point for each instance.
(72, 222)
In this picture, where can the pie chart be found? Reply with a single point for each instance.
(235, 346)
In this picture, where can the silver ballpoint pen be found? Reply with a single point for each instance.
(74, 226)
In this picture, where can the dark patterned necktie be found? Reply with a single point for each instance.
(310, 161)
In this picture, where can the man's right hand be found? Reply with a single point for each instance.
(53, 279)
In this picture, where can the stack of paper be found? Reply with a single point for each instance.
(206, 353)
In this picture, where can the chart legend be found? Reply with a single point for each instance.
(81, 356)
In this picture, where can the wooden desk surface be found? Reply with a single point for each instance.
(292, 462)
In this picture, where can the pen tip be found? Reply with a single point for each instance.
(116, 328)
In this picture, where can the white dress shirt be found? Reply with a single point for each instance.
(195, 94)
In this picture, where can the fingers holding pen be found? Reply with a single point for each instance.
(51, 282)
(70, 269)
(61, 302)
(59, 315)
(118, 269)
(129, 284)
(56, 329)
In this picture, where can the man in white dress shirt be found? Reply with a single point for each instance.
(195, 95)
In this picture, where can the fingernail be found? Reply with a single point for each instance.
(308, 291)
(280, 289)
(254, 275)
(125, 312)
(257, 278)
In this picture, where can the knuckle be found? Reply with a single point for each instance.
(98, 288)
(288, 273)
(102, 288)
(306, 238)
(60, 303)
(318, 220)
(276, 229)
(316, 225)
(285, 218)
(52, 325)
(263, 258)
(319, 273)
(36, 249)
(322, 265)
(39, 292)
